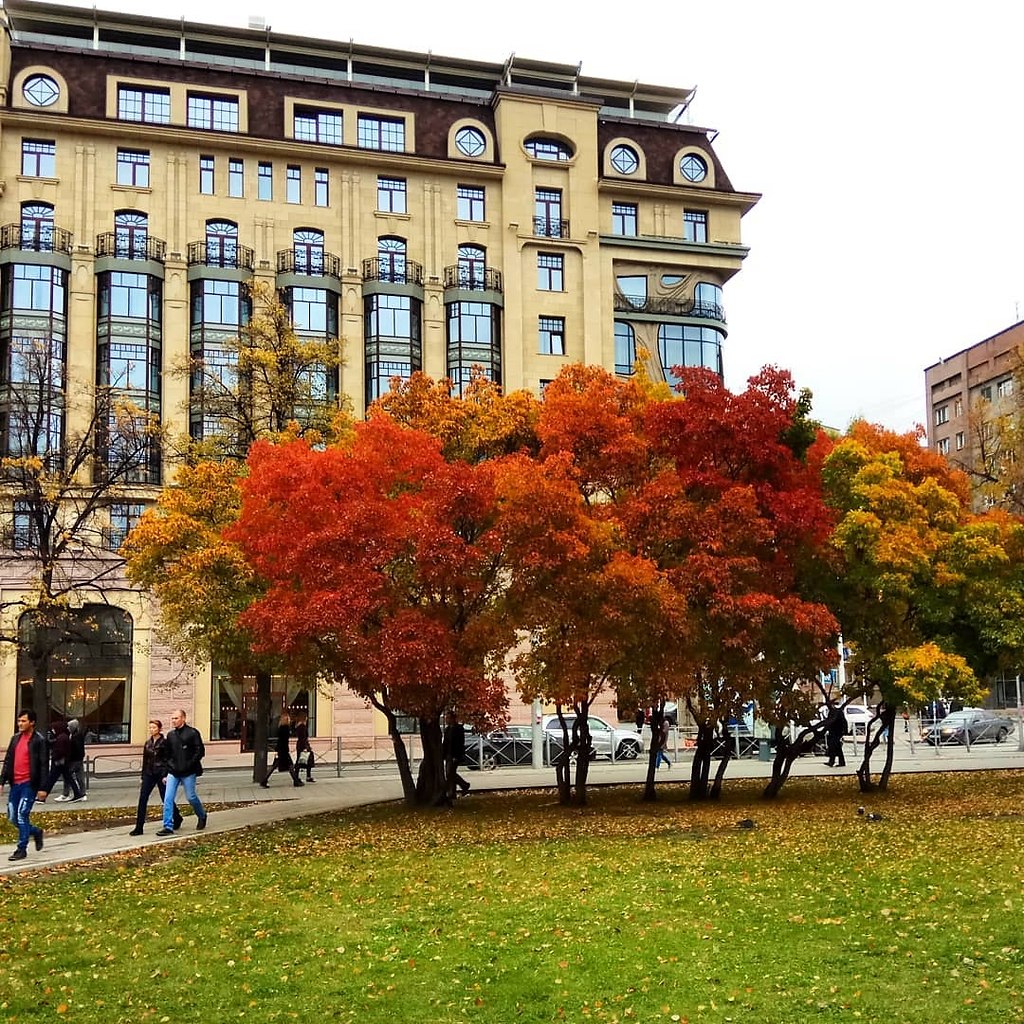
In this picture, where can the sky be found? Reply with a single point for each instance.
(885, 139)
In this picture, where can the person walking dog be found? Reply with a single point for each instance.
(185, 753)
(24, 771)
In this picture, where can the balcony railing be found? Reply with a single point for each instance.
(473, 278)
(131, 247)
(550, 227)
(669, 307)
(314, 262)
(393, 271)
(35, 238)
(220, 254)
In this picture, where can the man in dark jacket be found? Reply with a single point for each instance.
(185, 753)
(453, 752)
(835, 730)
(24, 771)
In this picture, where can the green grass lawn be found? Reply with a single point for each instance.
(510, 908)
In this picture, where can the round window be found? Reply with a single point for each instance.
(470, 142)
(40, 90)
(625, 160)
(693, 168)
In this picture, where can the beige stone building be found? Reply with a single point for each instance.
(433, 213)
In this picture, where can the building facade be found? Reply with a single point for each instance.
(431, 213)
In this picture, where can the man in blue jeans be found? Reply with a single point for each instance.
(24, 771)
(185, 753)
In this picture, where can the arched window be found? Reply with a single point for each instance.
(131, 233)
(684, 345)
(221, 243)
(37, 227)
(391, 254)
(541, 148)
(625, 349)
(308, 244)
(707, 301)
(472, 259)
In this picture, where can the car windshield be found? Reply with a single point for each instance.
(958, 717)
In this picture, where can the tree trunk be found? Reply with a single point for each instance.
(888, 715)
(786, 753)
(261, 732)
(864, 771)
(430, 783)
(401, 755)
(657, 717)
(562, 763)
(581, 735)
(727, 754)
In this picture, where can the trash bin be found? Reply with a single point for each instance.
(764, 750)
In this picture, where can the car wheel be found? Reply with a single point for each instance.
(1001, 735)
(488, 763)
(628, 750)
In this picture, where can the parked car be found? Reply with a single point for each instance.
(857, 718)
(626, 743)
(971, 725)
(512, 745)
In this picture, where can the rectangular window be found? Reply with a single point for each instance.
(552, 336)
(265, 181)
(960, 441)
(941, 415)
(547, 212)
(151, 106)
(206, 175)
(550, 271)
(25, 535)
(624, 219)
(695, 226)
(123, 518)
(293, 192)
(317, 126)
(236, 178)
(213, 113)
(943, 446)
(958, 407)
(391, 195)
(321, 188)
(469, 203)
(1005, 387)
(986, 392)
(133, 167)
(38, 158)
(387, 133)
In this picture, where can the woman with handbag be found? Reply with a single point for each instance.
(303, 751)
(282, 757)
(154, 772)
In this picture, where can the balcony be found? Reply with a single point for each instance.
(550, 227)
(314, 262)
(660, 306)
(473, 278)
(392, 270)
(131, 247)
(221, 254)
(35, 238)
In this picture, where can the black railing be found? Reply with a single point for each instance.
(35, 238)
(392, 270)
(669, 307)
(220, 254)
(550, 227)
(474, 278)
(314, 262)
(131, 247)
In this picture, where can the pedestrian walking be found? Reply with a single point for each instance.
(453, 753)
(60, 766)
(153, 775)
(24, 771)
(835, 730)
(661, 740)
(303, 751)
(185, 753)
(76, 759)
(282, 757)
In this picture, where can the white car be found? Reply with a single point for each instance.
(627, 744)
(857, 717)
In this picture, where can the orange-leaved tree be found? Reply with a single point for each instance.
(738, 522)
(388, 568)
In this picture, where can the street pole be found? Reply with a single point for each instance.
(1020, 719)
(538, 737)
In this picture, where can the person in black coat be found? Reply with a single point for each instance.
(282, 758)
(185, 753)
(60, 765)
(24, 771)
(302, 745)
(453, 752)
(835, 730)
(154, 772)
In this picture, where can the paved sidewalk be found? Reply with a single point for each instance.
(359, 786)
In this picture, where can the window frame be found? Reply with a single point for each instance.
(154, 104)
(389, 133)
(551, 335)
(467, 205)
(550, 275)
(212, 107)
(695, 225)
(45, 159)
(392, 193)
(127, 168)
(321, 187)
(320, 125)
(622, 214)
(293, 177)
(236, 177)
(622, 149)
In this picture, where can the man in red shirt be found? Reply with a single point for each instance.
(24, 771)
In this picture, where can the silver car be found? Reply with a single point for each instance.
(627, 744)
(971, 725)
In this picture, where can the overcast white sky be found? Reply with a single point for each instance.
(884, 136)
